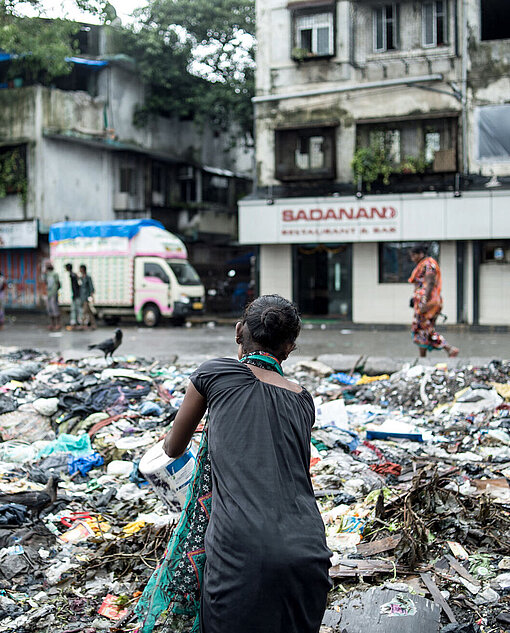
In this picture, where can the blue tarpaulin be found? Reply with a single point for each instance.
(115, 228)
(96, 63)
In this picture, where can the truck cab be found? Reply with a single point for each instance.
(168, 288)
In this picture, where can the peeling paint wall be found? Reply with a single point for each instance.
(355, 62)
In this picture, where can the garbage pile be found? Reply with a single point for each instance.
(410, 472)
(412, 477)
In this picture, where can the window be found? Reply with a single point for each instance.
(314, 34)
(395, 265)
(494, 18)
(386, 28)
(496, 252)
(128, 180)
(215, 188)
(151, 269)
(434, 23)
(305, 153)
(417, 146)
(388, 141)
(157, 178)
(185, 273)
(187, 183)
(432, 145)
(494, 133)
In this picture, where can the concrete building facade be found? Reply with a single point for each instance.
(380, 124)
(80, 156)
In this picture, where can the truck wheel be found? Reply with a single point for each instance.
(151, 315)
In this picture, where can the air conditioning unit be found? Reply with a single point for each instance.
(186, 173)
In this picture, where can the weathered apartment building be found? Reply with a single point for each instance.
(415, 96)
(73, 152)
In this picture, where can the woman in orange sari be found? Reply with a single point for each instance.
(427, 302)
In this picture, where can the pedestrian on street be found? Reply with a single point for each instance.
(86, 296)
(266, 556)
(427, 302)
(3, 288)
(75, 298)
(52, 289)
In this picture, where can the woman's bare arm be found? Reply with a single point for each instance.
(186, 421)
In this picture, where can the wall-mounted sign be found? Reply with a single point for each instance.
(18, 234)
(359, 221)
(399, 217)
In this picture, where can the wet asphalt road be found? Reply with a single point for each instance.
(195, 344)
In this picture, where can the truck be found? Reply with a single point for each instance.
(137, 268)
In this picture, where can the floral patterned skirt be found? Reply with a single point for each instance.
(424, 331)
(175, 587)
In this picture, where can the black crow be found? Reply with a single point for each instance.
(35, 500)
(109, 345)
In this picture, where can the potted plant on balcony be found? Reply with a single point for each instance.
(414, 165)
(371, 163)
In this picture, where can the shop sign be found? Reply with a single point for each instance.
(357, 222)
(18, 234)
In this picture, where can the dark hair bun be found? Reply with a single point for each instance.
(272, 319)
(273, 322)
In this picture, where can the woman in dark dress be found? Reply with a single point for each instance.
(267, 559)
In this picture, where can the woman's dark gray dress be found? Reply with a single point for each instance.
(267, 560)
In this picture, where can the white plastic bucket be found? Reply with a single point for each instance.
(169, 478)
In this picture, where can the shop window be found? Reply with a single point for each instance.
(395, 265)
(496, 252)
(386, 28)
(313, 34)
(494, 19)
(434, 23)
(151, 269)
(494, 132)
(128, 180)
(305, 153)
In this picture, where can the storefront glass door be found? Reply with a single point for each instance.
(323, 282)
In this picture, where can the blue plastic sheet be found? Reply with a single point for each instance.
(77, 445)
(116, 228)
(151, 408)
(344, 379)
(85, 464)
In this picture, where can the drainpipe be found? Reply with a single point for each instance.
(461, 249)
(464, 55)
(477, 252)
(388, 83)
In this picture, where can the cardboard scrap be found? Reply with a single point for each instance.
(377, 547)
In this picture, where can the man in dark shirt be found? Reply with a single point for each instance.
(75, 298)
(86, 296)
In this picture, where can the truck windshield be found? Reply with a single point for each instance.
(185, 273)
